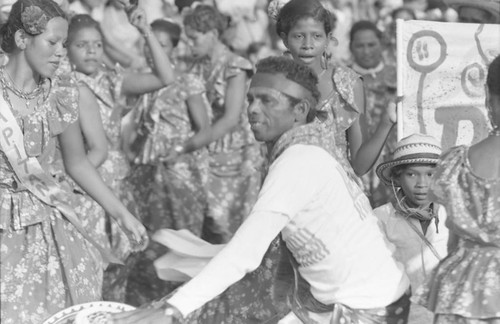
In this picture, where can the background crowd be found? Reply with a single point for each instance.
(139, 116)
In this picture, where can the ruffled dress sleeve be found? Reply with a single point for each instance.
(344, 80)
(445, 174)
(236, 64)
(63, 104)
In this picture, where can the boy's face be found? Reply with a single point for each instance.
(415, 180)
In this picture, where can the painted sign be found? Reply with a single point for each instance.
(442, 70)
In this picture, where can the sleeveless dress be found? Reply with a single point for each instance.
(169, 194)
(465, 286)
(234, 159)
(46, 264)
(106, 86)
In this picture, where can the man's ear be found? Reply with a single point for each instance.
(21, 39)
(301, 110)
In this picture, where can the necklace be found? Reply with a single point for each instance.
(27, 96)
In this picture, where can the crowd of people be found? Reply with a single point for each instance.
(264, 126)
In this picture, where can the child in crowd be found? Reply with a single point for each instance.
(411, 221)
(85, 53)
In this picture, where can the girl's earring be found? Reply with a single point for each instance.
(324, 60)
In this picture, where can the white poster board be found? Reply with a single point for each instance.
(442, 70)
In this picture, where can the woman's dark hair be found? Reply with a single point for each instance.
(493, 79)
(205, 18)
(397, 11)
(296, 10)
(365, 25)
(172, 29)
(295, 72)
(79, 22)
(32, 20)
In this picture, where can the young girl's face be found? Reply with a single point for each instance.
(307, 40)
(165, 42)
(414, 181)
(85, 50)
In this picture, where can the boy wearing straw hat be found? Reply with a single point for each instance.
(410, 221)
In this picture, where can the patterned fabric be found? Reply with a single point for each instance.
(467, 282)
(106, 86)
(170, 195)
(380, 90)
(342, 113)
(249, 301)
(235, 158)
(46, 264)
(456, 319)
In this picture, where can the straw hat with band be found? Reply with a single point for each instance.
(416, 148)
(491, 6)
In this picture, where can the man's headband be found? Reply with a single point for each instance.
(279, 82)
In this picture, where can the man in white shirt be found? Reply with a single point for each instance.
(322, 215)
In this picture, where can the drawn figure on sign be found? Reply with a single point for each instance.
(472, 80)
(422, 58)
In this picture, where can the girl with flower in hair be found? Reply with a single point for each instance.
(48, 259)
(110, 86)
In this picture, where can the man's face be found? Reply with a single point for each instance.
(269, 113)
(474, 15)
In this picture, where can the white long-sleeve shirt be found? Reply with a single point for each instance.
(328, 225)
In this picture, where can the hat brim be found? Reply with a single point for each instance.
(384, 169)
(490, 6)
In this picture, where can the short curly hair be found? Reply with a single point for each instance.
(295, 72)
(204, 18)
(14, 23)
(296, 10)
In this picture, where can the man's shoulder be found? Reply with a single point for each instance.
(307, 153)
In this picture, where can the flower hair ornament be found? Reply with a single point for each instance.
(34, 20)
(273, 10)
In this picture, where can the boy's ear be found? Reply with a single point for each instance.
(396, 181)
(284, 39)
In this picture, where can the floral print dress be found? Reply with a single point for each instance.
(235, 159)
(46, 264)
(465, 286)
(170, 194)
(106, 86)
(341, 112)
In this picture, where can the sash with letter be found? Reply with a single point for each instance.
(34, 178)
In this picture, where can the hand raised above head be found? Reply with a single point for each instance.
(137, 17)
